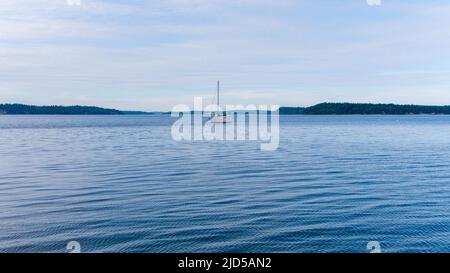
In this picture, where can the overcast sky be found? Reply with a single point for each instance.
(151, 55)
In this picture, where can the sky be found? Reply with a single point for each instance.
(151, 55)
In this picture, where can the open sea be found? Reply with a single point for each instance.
(121, 184)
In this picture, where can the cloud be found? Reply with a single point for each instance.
(73, 2)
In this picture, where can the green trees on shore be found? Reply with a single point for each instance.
(22, 109)
(319, 109)
(365, 109)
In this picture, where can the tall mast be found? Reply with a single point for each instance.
(218, 93)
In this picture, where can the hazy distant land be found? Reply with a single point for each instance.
(23, 109)
(366, 109)
(319, 109)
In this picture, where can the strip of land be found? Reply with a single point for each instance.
(366, 109)
(319, 109)
(23, 109)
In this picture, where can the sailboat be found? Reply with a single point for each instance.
(220, 117)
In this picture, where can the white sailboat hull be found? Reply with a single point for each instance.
(221, 119)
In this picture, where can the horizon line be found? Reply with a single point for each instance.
(168, 111)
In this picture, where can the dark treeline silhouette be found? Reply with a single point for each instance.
(292, 110)
(365, 109)
(22, 109)
(319, 109)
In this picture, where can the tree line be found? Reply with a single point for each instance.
(365, 109)
(22, 109)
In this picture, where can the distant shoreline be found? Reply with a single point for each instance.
(319, 109)
(23, 109)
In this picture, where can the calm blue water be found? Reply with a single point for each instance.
(121, 184)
